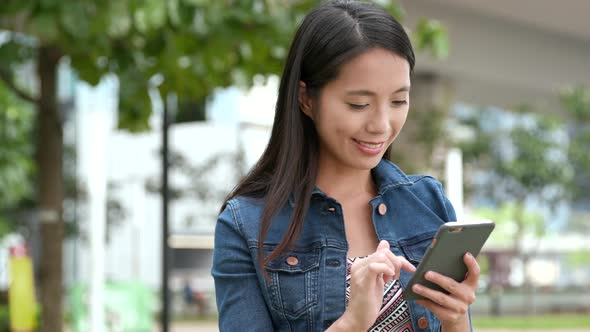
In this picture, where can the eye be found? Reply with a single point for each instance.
(399, 102)
(358, 106)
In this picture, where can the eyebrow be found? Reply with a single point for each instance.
(371, 93)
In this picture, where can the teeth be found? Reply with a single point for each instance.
(370, 145)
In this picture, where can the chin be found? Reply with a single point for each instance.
(368, 163)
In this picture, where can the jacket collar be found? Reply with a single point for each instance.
(386, 175)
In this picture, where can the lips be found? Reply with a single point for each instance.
(369, 145)
(369, 148)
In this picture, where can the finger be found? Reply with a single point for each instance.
(442, 313)
(399, 262)
(406, 265)
(383, 245)
(382, 256)
(381, 268)
(393, 259)
(473, 270)
(443, 281)
(439, 298)
(462, 291)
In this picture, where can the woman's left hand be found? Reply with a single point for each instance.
(451, 309)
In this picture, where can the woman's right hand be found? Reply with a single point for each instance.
(368, 277)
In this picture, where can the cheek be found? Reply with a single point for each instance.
(398, 120)
(338, 126)
(334, 122)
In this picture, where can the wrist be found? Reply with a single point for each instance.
(460, 325)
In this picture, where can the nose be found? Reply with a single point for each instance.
(378, 121)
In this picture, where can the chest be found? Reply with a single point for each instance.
(359, 227)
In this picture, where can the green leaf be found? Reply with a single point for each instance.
(576, 101)
(11, 7)
(430, 34)
(134, 102)
(48, 4)
(74, 19)
(86, 67)
(151, 16)
(173, 12)
(44, 26)
(9, 53)
(202, 3)
(16, 150)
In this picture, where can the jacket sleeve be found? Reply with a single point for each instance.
(240, 302)
(449, 211)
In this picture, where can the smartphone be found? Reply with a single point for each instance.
(445, 254)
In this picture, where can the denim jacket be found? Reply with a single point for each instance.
(306, 291)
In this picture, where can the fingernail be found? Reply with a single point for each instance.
(429, 275)
(417, 288)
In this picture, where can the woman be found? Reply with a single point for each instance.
(324, 232)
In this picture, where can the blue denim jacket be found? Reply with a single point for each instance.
(308, 294)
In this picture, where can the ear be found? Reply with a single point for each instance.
(305, 102)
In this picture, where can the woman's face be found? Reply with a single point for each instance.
(359, 114)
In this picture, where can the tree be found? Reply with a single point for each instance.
(576, 102)
(188, 47)
(526, 165)
(520, 163)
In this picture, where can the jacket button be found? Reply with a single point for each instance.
(292, 260)
(382, 209)
(423, 323)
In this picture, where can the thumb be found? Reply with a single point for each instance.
(383, 245)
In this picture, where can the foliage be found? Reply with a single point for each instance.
(197, 180)
(520, 161)
(517, 164)
(524, 155)
(16, 157)
(431, 35)
(503, 216)
(576, 101)
(189, 47)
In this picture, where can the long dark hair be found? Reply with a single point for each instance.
(329, 36)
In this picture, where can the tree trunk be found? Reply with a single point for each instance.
(50, 194)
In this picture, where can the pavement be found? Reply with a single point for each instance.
(212, 327)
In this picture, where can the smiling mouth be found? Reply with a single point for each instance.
(370, 145)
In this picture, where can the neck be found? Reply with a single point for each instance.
(344, 183)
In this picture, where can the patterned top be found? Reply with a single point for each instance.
(394, 315)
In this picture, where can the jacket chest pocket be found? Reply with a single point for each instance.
(414, 250)
(293, 286)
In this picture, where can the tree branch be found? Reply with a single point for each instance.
(5, 77)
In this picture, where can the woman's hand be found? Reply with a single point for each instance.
(368, 277)
(451, 309)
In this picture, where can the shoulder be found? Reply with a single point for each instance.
(424, 188)
(426, 184)
(243, 204)
(243, 213)
(430, 191)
